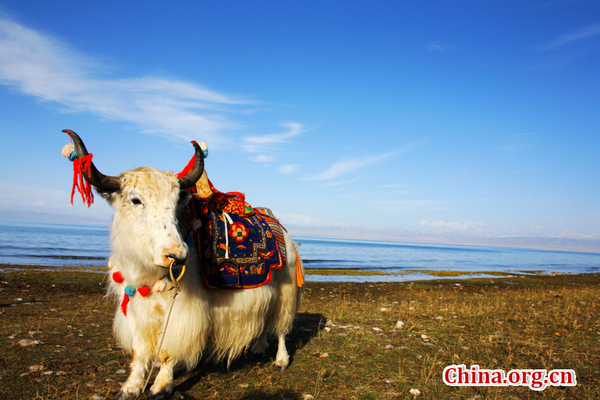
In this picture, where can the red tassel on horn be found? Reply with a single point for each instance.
(81, 166)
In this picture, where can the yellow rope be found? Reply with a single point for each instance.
(176, 285)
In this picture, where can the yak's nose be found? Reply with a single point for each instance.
(175, 255)
(176, 259)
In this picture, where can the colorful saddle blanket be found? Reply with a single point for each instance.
(236, 251)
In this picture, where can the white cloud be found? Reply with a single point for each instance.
(288, 168)
(411, 205)
(264, 158)
(297, 220)
(339, 183)
(582, 33)
(433, 46)
(347, 166)
(44, 67)
(460, 226)
(21, 198)
(255, 144)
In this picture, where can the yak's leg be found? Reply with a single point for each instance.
(163, 384)
(133, 386)
(283, 359)
(261, 345)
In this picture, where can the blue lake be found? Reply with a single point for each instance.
(54, 244)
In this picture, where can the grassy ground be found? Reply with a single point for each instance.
(344, 345)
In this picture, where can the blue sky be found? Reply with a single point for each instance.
(445, 121)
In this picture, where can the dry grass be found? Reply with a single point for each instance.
(344, 344)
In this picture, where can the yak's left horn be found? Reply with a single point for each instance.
(196, 172)
(103, 183)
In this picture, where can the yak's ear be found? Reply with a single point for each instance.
(109, 196)
(184, 198)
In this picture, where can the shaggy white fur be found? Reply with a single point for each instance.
(220, 324)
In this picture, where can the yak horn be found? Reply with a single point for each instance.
(196, 172)
(103, 183)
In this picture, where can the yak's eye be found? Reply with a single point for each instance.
(136, 201)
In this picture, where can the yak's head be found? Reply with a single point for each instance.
(144, 229)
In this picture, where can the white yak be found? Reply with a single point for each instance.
(145, 237)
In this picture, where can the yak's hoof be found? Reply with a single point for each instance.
(279, 368)
(125, 396)
(164, 394)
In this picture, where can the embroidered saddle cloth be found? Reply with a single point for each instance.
(236, 251)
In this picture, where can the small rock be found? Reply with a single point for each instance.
(414, 392)
(121, 372)
(327, 329)
(376, 329)
(425, 337)
(28, 342)
(324, 355)
(36, 368)
(383, 309)
(389, 347)
(399, 325)
(97, 397)
(243, 385)
(308, 397)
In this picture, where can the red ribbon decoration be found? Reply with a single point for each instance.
(81, 166)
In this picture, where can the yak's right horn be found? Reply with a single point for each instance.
(104, 183)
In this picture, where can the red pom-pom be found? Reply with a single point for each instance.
(144, 291)
(118, 277)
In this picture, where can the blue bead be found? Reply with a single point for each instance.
(129, 290)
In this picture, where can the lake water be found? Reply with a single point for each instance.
(53, 244)
(41, 243)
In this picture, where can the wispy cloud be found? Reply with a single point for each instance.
(264, 158)
(397, 205)
(29, 199)
(579, 34)
(44, 67)
(288, 169)
(267, 144)
(460, 226)
(433, 46)
(298, 220)
(264, 143)
(340, 183)
(347, 166)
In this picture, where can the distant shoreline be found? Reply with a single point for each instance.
(578, 245)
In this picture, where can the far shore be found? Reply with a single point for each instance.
(332, 233)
